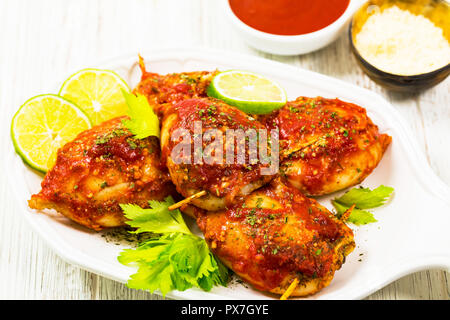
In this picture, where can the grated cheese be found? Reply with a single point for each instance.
(399, 42)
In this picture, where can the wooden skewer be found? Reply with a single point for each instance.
(187, 200)
(289, 290)
(347, 213)
(300, 147)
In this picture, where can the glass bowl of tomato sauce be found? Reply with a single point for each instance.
(290, 27)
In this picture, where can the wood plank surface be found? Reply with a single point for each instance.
(42, 41)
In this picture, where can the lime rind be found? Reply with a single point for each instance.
(15, 129)
(252, 106)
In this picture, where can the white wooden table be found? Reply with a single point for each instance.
(41, 41)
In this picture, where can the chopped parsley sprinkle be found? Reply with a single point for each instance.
(251, 220)
(132, 144)
(259, 202)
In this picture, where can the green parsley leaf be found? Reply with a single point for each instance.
(174, 260)
(143, 121)
(362, 198)
(158, 219)
(357, 217)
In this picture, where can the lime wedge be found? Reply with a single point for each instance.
(250, 92)
(96, 92)
(44, 124)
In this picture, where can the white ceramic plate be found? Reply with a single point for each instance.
(412, 230)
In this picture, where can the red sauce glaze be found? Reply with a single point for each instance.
(105, 149)
(288, 17)
(182, 88)
(207, 111)
(172, 88)
(107, 155)
(121, 147)
(306, 117)
(324, 135)
(299, 236)
(338, 124)
(213, 114)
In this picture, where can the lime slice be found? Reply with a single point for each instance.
(250, 92)
(96, 92)
(42, 125)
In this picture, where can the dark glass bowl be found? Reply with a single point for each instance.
(437, 11)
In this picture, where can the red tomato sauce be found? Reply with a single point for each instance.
(288, 17)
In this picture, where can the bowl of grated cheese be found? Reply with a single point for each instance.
(403, 45)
